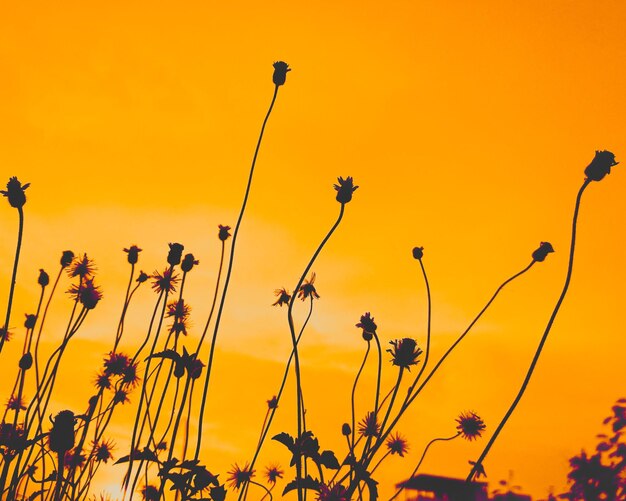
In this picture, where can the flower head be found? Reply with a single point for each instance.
(600, 166)
(368, 326)
(81, 267)
(74, 459)
(470, 426)
(15, 192)
(116, 363)
(143, 276)
(189, 261)
(16, 403)
(336, 492)
(542, 251)
(346, 430)
(175, 253)
(397, 445)
(133, 254)
(283, 297)
(308, 289)
(31, 321)
(120, 397)
(272, 403)
(166, 282)
(280, 72)
(223, 234)
(418, 253)
(369, 426)
(88, 294)
(180, 311)
(404, 352)
(5, 334)
(61, 436)
(102, 450)
(239, 477)
(345, 188)
(103, 381)
(150, 493)
(66, 258)
(273, 473)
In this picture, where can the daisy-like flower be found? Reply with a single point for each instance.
(116, 363)
(470, 426)
(369, 426)
(15, 192)
(103, 381)
(307, 289)
(600, 166)
(336, 492)
(120, 397)
(166, 282)
(189, 261)
(180, 311)
(149, 493)
(102, 451)
(16, 403)
(129, 376)
(368, 326)
(280, 72)
(81, 267)
(397, 445)
(133, 254)
(5, 335)
(273, 473)
(239, 477)
(66, 258)
(88, 294)
(542, 251)
(344, 189)
(224, 232)
(283, 297)
(175, 254)
(74, 459)
(404, 352)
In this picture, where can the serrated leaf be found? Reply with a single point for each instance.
(218, 493)
(286, 440)
(305, 483)
(328, 459)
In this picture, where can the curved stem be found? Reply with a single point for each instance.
(422, 459)
(542, 342)
(229, 270)
(356, 380)
(20, 233)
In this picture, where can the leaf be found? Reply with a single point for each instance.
(218, 493)
(286, 440)
(170, 354)
(145, 455)
(372, 486)
(328, 459)
(305, 483)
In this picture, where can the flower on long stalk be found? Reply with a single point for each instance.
(66, 258)
(82, 267)
(239, 477)
(188, 262)
(600, 166)
(470, 426)
(397, 444)
(133, 254)
(224, 232)
(280, 73)
(273, 473)
(283, 297)
(165, 282)
(542, 251)
(102, 450)
(404, 352)
(15, 192)
(369, 425)
(88, 294)
(368, 326)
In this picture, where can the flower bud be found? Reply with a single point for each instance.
(344, 189)
(30, 321)
(345, 429)
(418, 253)
(61, 437)
(280, 72)
(600, 166)
(15, 192)
(223, 234)
(175, 254)
(142, 277)
(44, 278)
(542, 252)
(188, 263)
(66, 258)
(26, 361)
(133, 254)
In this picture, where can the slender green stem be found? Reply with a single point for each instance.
(544, 337)
(229, 270)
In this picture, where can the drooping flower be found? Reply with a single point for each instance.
(368, 325)
(280, 72)
(283, 297)
(175, 253)
(542, 251)
(81, 267)
(600, 166)
(369, 426)
(344, 189)
(335, 492)
(418, 253)
(273, 473)
(133, 254)
(15, 192)
(189, 261)
(239, 477)
(223, 234)
(397, 445)
(166, 282)
(102, 450)
(307, 289)
(404, 352)
(470, 426)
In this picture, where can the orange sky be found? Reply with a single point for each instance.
(467, 126)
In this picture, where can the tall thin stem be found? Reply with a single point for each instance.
(544, 337)
(20, 233)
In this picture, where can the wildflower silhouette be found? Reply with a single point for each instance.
(369, 426)
(344, 189)
(404, 352)
(470, 426)
(273, 473)
(599, 167)
(133, 254)
(224, 233)
(397, 445)
(280, 73)
(283, 297)
(238, 477)
(308, 289)
(368, 326)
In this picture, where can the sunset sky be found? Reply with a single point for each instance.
(467, 126)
